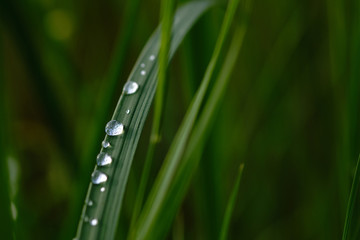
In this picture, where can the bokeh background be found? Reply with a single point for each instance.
(290, 113)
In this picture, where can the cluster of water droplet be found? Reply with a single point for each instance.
(113, 128)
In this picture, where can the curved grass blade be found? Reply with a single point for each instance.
(103, 201)
(231, 205)
(351, 204)
(150, 214)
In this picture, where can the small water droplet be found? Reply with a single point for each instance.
(152, 58)
(142, 65)
(102, 189)
(90, 203)
(103, 159)
(128, 111)
(94, 222)
(114, 128)
(143, 72)
(130, 87)
(105, 144)
(98, 177)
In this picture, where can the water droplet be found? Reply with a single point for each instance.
(128, 111)
(103, 159)
(130, 87)
(86, 219)
(114, 128)
(102, 189)
(98, 177)
(152, 58)
(142, 65)
(90, 203)
(105, 144)
(143, 72)
(94, 222)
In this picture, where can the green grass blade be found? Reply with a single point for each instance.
(107, 203)
(166, 21)
(231, 205)
(151, 211)
(193, 152)
(351, 203)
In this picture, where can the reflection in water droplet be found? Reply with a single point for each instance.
(152, 58)
(102, 189)
(142, 65)
(143, 72)
(130, 87)
(94, 222)
(105, 144)
(98, 177)
(103, 159)
(128, 111)
(114, 128)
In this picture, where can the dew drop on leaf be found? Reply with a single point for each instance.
(94, 222)
(152, 58)
(114, 128)
(98, 177)
(105, 144)
(143, 72)
(103, 159)
(130, 87)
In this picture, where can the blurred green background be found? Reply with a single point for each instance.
(290, 113)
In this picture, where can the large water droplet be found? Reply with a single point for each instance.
(105, 144)
(98, 177)
(94, 222)
(114, 128)
(130, 87)
(152, 57)
(103, 159)
(143, 72)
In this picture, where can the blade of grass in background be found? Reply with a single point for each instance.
(231, 205)
(167, 8)
(99, 219)
(197, 140)
(349, 223)
(6, 222)
(150, 215)
(338, 59)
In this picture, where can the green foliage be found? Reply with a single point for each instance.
(280, 94)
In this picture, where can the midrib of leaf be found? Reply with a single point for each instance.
(149, 215)
(107, 204)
